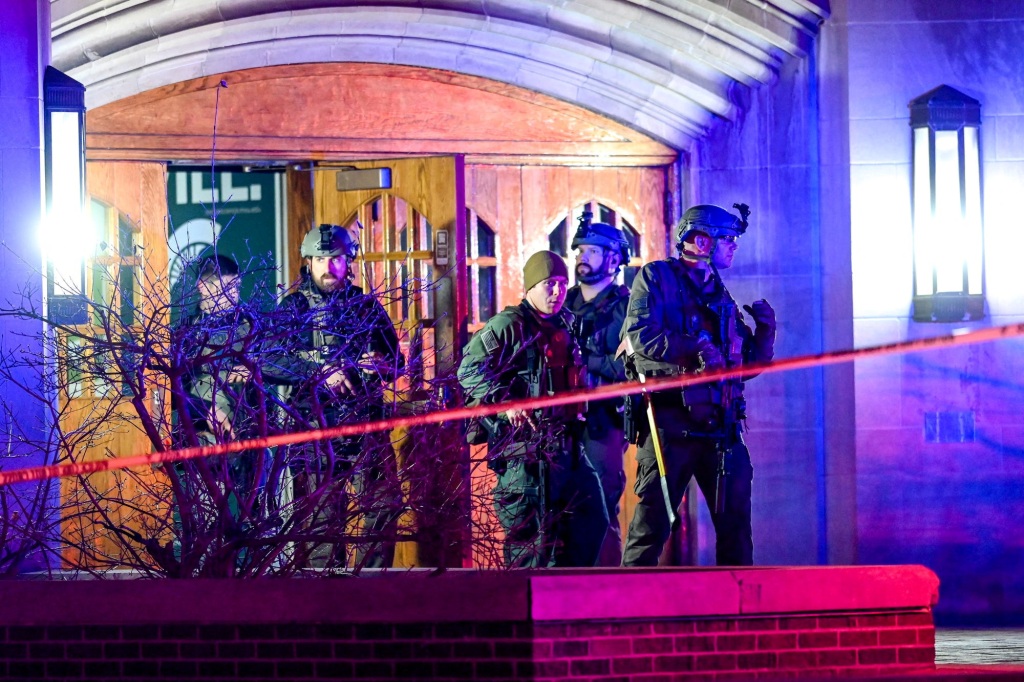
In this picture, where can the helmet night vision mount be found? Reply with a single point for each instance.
(329, 241)
(600, 234)
(713, 223)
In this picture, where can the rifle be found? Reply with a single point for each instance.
(659, 455)
(729, 404)
(558, 428)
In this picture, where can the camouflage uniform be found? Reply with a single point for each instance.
(547, 496)
(319, 332)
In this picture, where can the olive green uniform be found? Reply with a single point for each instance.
(548, 496)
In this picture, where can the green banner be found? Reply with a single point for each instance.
(232, 213)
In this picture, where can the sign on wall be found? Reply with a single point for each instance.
(232, 213)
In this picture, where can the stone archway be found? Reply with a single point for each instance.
(664, 69)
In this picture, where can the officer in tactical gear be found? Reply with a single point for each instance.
(599, 306)
(548, 496)
(682, 320)
(340, 350)
(217, 347)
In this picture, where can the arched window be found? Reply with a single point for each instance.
(482, 267)
(395, 261)
(560, 237)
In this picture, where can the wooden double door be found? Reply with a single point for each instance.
(412, 258)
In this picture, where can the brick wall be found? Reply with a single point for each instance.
(742, 648)
(635, 625)
(710, 649)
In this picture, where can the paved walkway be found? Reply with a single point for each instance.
(979, 647)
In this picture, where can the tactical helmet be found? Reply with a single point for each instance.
(600, 234)
(715, 221)
(329, 241)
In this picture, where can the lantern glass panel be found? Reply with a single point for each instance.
(68, 234)
(948, 220)
(923, 237)
(972, 210)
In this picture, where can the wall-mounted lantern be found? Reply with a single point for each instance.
(948, 244)
(67, 233)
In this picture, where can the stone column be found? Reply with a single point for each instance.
(838, 466)
(24, 53)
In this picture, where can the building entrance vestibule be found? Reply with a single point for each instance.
(523, 172)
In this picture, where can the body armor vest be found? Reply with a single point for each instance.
(553, 361)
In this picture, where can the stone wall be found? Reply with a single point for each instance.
(785, 156)
(847, 469)
(948, 500)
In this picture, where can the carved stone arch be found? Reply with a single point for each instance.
(662, 68)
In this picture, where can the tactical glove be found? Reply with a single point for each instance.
(710, 357)
(764, 331)
(763, 313)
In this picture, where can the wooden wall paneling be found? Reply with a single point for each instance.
(482, 192)
(545, 197)
(584, 184)
(361, 111)
(299, 202)
(511, 236)
(651, 199)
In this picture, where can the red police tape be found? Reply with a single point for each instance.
(610, 391)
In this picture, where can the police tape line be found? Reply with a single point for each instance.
(455, 414)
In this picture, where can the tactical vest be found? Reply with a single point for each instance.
(336, 328)
(553, 363)
(338, 334)
(711, 315)
(596, 319)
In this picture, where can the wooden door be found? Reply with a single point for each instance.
(412, 257)
(102, 514)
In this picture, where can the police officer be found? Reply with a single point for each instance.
(340, 348)
(216, 349)
(682, 320)
(599, 306)
(548, 497)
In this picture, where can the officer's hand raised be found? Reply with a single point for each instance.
(762, 312)
(337, 380)
(519, 418)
